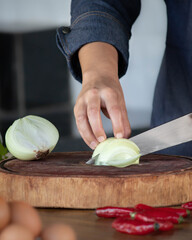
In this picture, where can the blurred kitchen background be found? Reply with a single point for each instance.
(34, 78)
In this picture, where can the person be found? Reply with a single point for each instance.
(96, 49)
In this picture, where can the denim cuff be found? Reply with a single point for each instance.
(93, 27)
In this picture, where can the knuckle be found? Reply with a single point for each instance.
(80, 118)
(92, 110)
(92, 92)
(111, 93)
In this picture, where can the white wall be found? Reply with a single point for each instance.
(30, 15)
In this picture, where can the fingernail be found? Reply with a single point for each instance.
(119, 135)
(93, 145)
(101, 139)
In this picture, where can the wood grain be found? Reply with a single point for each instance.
(64, 180)
(88, 226)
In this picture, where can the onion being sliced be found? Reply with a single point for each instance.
(117, 152)
(102, 146)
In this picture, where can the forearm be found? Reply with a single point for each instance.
(98, 59)
(107, 21)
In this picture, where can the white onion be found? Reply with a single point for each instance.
(31, 137)
(116, 152)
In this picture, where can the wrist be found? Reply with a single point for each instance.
(98, 59)
(95, 76)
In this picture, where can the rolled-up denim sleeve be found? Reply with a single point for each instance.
(107, 21)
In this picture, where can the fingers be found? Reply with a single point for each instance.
(94, 116)
(126, 124)
(88, 114)
(116, 108)
(84, 127)
(88, 119)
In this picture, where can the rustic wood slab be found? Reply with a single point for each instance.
(64, 180)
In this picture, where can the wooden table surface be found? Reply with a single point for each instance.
(89, 227)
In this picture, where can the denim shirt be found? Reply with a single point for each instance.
(111, 21)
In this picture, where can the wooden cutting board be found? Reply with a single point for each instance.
(64, 180)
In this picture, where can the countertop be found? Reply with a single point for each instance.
(90, 227)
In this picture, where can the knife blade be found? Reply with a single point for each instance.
(164, 136)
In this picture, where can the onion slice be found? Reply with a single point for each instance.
(116, 152)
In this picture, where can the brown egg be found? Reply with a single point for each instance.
(4, 213)
(24, 214)
(58, 232)
(16, 232)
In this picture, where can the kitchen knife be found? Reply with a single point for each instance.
(164, 136)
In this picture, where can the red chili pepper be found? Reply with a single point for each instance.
(187, 205)
(136, 227)
(180, 211)
(165, 225)
(111, 212)
(142, 206)
(155, 214)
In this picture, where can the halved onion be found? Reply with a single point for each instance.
(116, 152)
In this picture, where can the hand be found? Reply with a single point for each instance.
(101, 90)
(101, 93)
